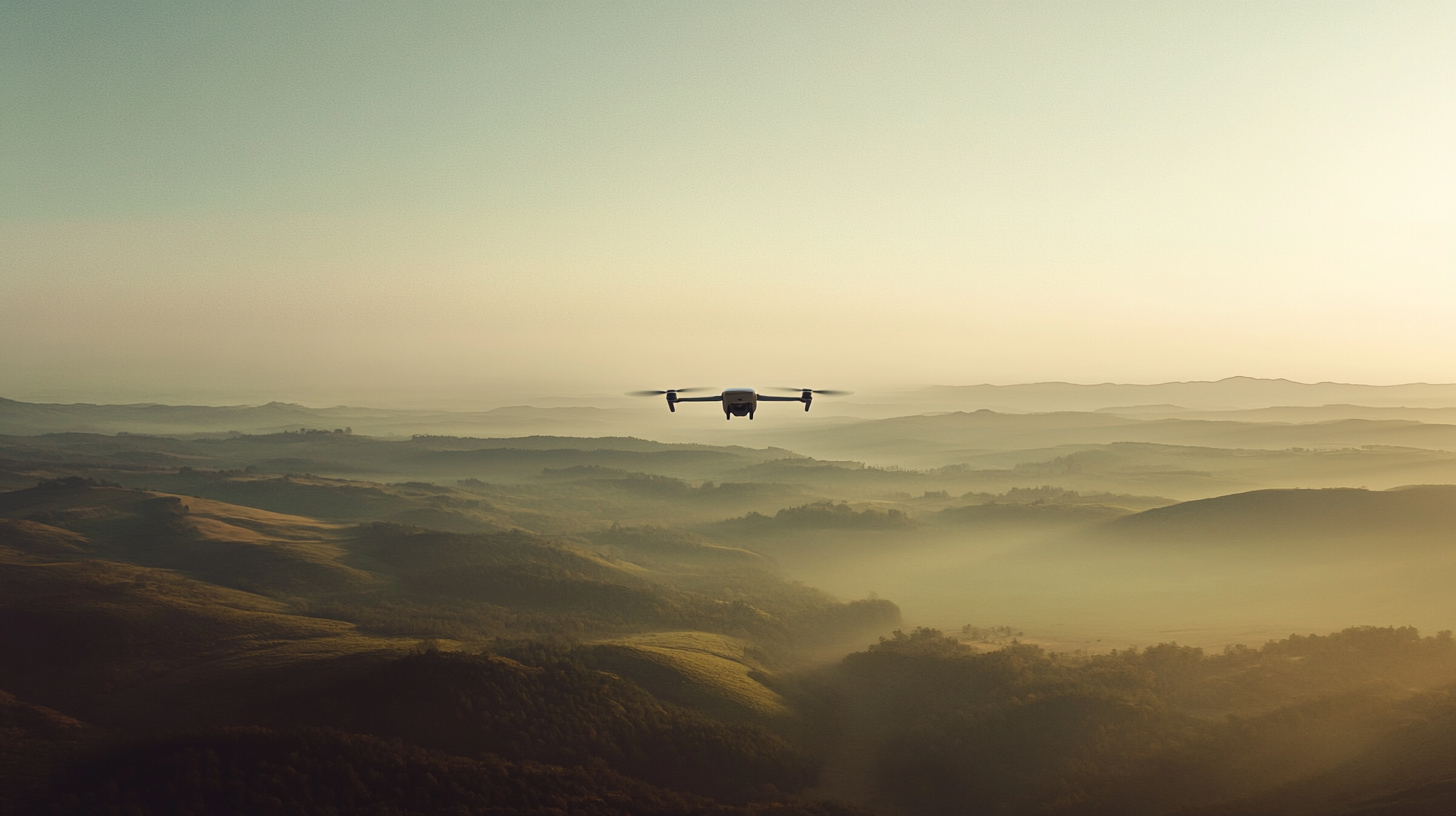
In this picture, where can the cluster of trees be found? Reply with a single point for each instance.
(1134, 730)
(1050, 494)
(822, 516)
(989, 634)
(1034, 514)
(551, 704)
(529, 727)
(267, 772)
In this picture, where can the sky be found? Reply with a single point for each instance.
(455, 203)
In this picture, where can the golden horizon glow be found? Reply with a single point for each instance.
(325, 204)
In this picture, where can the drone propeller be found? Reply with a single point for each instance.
(813, 391)
(660, 393)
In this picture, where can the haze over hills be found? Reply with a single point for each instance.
(335, 478)
(615, 415)
(722, 622)
(930, 538)
(1288, 413)
(276, 417)
(944, 439)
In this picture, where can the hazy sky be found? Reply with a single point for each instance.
(404, 202)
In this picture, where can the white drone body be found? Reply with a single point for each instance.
(736, 401)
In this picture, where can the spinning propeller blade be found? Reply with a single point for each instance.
(660, 393)
(826, 393)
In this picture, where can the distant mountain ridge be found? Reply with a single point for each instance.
(29, 419)
(1286, 399)
(1230, 393)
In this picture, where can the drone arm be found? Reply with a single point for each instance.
(718, 398)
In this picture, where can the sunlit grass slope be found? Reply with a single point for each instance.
(233, 546)
(697, 669)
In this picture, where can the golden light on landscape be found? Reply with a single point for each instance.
(827, 409)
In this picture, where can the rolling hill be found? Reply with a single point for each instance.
(401, 580)
(132, 615)
(1386, 520)
(935, 440)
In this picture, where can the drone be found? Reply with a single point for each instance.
(737, 401)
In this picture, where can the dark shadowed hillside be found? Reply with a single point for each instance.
(271, 773)
(1148, 731)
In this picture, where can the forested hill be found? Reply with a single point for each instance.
(1304, 725)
